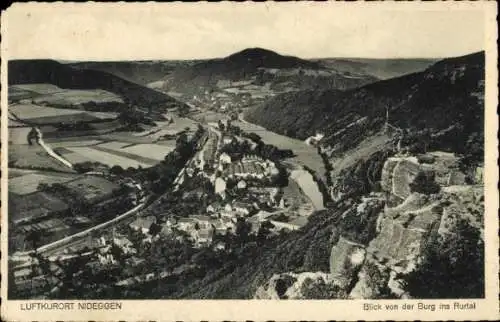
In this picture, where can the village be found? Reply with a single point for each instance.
(245, 188)
(234, 186)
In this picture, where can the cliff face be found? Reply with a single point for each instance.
(427, 206)
(418, 217)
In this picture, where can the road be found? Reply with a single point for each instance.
(83, 234)
(51, 152)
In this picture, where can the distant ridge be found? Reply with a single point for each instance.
(247, 64)
(445, 96)
(64, 76)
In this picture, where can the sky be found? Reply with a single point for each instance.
(186, 31)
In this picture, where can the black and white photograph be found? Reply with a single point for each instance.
(247, 154)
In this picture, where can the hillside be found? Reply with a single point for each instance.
(140, 72)
(379, 68)
(402, 223)
(64, 76)
(445, 99)
(261, 65)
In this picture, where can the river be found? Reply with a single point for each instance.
(305, 155)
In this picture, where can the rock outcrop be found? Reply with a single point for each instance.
(429, 197)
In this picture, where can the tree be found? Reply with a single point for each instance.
(424, 183)
(221, 126)
(452, 267)
(243, 229)
(116, 169)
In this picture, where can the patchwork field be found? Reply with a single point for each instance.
(28, 182)
(30, 111)
(208, 116)
(52, 94)
(116, 152)
(16, 94)
(37, 88)
(33, 157)
(18, 135)
(163, 128)
(153, 151)
(77, 97)
(90, 154)
(48, 115)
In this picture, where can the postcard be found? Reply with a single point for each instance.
(249, 161)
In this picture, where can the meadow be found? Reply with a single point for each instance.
(34, 157)
(22, 184)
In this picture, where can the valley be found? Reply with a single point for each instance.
(256, 175)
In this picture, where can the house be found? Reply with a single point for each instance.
(314, 140)
(125, 245)
(185, 224)
(241, 184)
(201, 221)
(278, 225)
(242, 207)
(220, 187)
(210, 209)
(143, 224)
(224, 157)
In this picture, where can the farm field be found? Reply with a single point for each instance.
(30, 111)
(16, 94)
(71, 97)
(92, 188)
(34, 157)
(208, 116)
(66, 143)
(28, 182)
(37, 88)
(153, 151)
(162, 128)
(18, 135)
(107, 158)
(121, 153)
(45, 114)
(52, 94)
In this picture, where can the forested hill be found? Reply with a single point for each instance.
(447, 96)
(64, 76)
(261, 66)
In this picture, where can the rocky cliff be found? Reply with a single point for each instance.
(428, 207)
